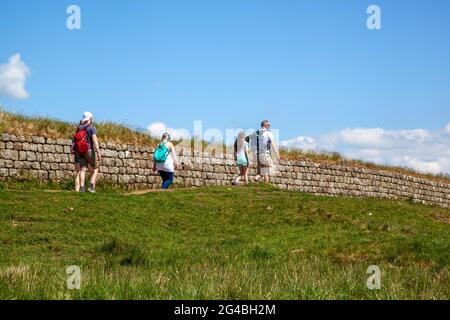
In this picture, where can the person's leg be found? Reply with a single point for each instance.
(82, 178)
(77, 177)
(258, 173)
(162, 174)
(93, 180)
(83, 167)
(266, 173)
(240, 176)
(93, 169)
(245, 174)
(167, 178)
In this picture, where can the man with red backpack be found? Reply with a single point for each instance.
(86, 150)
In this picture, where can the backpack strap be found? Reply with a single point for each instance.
(257, 141)
(164, 144)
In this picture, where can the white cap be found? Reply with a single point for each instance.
(86, 116)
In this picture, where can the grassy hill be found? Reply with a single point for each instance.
(245, 242)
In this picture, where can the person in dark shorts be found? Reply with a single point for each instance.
(90, 160)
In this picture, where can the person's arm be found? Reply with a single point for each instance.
(247, 152)
(154, 162)
(96, 146)
(274, 147)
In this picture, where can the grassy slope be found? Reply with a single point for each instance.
(220, 243)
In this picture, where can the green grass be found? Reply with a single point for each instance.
(220, 243)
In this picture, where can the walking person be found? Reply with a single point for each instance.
(165, 161)
(86, 150)
(264, 147)
(241, 150)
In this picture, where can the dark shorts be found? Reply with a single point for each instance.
(88, 160)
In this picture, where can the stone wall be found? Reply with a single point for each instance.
(49, 159)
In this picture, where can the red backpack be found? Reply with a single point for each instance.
(80, 141)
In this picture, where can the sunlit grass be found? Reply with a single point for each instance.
(220, 243)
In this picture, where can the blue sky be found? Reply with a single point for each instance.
(311, 67)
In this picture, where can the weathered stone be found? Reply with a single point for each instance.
(9, 154)
(48, 157)
(38, 140)
(22, 155)
(64, 142)
(4, 137)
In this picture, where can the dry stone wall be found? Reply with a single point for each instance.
(49, 159)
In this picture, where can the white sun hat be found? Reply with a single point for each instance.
(86, 116)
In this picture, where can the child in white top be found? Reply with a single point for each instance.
(241, 150)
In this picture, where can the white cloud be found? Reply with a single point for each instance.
(12, 78)
(419, 149)
(304, 143)
(157, 129)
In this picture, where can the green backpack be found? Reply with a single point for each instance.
(161, 153)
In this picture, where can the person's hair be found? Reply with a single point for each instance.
(90, 121)
(239, 141)
(165, 137)
(263, 123)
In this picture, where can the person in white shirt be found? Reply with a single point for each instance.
(241, 149)
(167, 168)
(264, 147)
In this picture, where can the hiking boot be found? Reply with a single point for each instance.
(91, 190)
(82, 189)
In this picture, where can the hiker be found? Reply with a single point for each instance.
(165, 161)
(263, 144)
(241, 150)
(86, 150)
